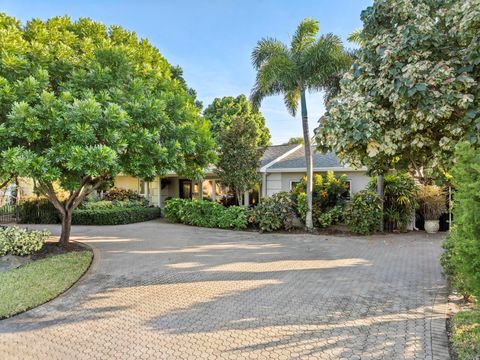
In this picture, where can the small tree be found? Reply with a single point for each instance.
(222, 112)
(413, 91)
(81, 103)
(239, 156)
(294, 141)
(309, 64)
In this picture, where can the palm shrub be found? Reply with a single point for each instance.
(363, 212)
(308, 64)
(400, 198)
(461, 258)
(432, 200)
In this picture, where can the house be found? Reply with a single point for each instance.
(281, 167)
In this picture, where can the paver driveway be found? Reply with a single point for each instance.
(164, 291)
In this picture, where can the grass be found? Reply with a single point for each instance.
(466, 334)
(40, 281)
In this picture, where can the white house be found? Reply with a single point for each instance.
(281, 167)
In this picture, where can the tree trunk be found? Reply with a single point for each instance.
(380, 190)
(308, 159)
(66, 227)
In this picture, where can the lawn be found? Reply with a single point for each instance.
(466, 334)
(40, 281)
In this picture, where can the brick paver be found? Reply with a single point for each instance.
(163, 291)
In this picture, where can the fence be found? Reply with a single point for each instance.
(8, 213)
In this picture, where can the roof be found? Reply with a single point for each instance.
(274, 152)
(292, 157)
(297, 160)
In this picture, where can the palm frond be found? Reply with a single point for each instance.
(266, 49)
(291, 99)
(326, 57)
(304, 35)
(258, 94)
(356, 37)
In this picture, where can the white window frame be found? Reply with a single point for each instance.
(293, 181)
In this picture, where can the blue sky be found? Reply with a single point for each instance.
(212, 39)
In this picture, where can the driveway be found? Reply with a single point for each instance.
(165, 291)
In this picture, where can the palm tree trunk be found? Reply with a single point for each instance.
(308, 159)
(380, 191)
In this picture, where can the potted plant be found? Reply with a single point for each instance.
(432, 205)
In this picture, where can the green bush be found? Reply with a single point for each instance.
(17, 241)
(321, 217)
(123, 195)
(400, 199)
(466, 334)
(114, 216)
(273, 213)
(461, 258)
(107, 204)
(363, 212)
(205, 213)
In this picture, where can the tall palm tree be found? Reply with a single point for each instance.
(307, 65)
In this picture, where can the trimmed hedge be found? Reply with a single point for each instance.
(115, 216)
(206, 214)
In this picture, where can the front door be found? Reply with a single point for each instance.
(185, 189)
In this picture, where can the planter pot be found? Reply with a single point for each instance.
(432, 226)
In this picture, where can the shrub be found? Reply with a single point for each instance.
(17, 241)
(205, 213)
(273, 213)
(461, 259)
(327, 191)
(363, 212)
(123, 195)
(400, 199)
(105, 204)
(114, 216)
(432, 201)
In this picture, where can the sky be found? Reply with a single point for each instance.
(212, 40)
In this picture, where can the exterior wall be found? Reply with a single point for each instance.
(126, 182)
(274, 183)
(277, 182)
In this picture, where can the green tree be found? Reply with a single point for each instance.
(223, 111)
(307, 65)
(294, 141)
(413, 91)
(81, 102)
(239, 155)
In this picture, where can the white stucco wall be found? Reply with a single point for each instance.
(277, 182)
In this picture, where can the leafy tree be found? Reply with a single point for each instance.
(81, 102)
(223, 111)
(307, 65)
(294, 141)
(239, 155)
(413, 91)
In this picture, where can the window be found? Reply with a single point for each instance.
(349, 187)
(293, 184)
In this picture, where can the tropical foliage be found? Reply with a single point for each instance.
(274, 213)
(400, 199)
(413, 91)
(82, 102)
(308, 64)
(17, 241)
(363, 212)
(205, 213)
(432, 200)
(461, 259)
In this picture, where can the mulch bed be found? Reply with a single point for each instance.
(54, 248)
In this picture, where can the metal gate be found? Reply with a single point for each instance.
(8, 213)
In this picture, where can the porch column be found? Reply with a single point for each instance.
(200, 189)
(264, 184)
(246, 198)
(214, 191)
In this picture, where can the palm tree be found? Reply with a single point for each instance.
(307, 65)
